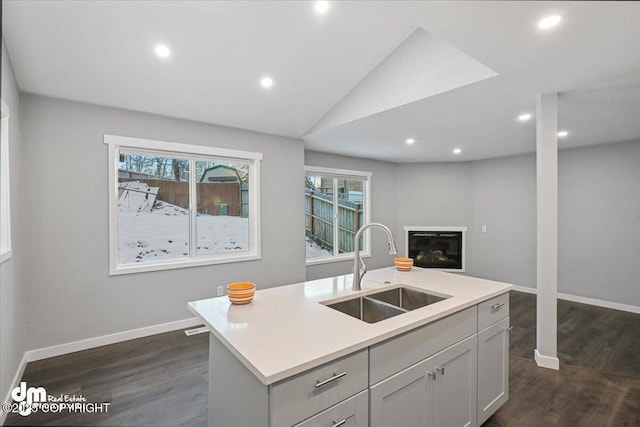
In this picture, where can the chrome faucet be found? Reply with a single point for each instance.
(359, 272)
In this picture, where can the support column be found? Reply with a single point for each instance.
(546, 353)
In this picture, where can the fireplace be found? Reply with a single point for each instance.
(441, 248)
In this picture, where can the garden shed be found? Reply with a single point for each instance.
(222, 190)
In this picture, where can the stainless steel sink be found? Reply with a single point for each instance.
(383, 305)
(406, 298)
(366, 309)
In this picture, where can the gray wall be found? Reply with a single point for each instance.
(599, 222)
(503, 197)
(70, 294)
(383, 210)
(13, 306)
(433, 194)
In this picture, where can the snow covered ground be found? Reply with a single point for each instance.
(163, 233)
(314, 250)
(151, 232)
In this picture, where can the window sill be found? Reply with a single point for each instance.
(171, 265)
(4, 256)
(339, 258)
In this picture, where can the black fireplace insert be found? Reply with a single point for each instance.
(436, 249)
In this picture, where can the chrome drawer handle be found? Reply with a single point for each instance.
(338, 423)
(441, 370)
(510, 329)
(496, 306)
(329, 380)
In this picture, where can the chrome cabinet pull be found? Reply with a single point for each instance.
(329, 380)
(510, 329)
(441, 370)
(338, 423)
(431, 374)
(496, 306)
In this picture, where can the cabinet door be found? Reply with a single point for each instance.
(353, 412)
(493, 369)
(455, 396)
(404, 399)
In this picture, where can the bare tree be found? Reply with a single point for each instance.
(180, 168)
(161, 163)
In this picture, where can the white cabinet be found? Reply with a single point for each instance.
(493, 355)
(439, 391)
(456, 387)
(405, 399)
(493, 368)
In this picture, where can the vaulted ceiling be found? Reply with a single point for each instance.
(358, 80)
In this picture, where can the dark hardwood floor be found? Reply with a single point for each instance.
(162, 380)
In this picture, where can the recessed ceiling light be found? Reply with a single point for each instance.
(524, 117)
(562, 134)
(266, 82)
(410, 141)
(457, 151)
(549, 22)
(162, 51)
(322, 7)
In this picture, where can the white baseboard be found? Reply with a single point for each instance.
(600, 303)
(548, 362)
(585, 300)
(16, 380)
(70, 347)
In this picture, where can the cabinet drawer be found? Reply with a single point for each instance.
(353, 412)
(398, 353)
(493, 310)
(299, 397)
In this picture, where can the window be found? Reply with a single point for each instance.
(176, 205)
(336, 205)
(5, 209)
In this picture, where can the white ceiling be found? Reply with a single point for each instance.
(334, 74)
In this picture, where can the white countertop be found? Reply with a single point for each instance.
(285, 330)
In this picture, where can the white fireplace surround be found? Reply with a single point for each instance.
(457, 228)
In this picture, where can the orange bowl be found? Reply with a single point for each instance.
(241, 292)
(403, 263)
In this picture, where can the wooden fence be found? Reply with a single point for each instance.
(209, 195)
(319, 220)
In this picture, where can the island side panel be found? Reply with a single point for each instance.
(236, 396)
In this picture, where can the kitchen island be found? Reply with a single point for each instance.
(290, 359)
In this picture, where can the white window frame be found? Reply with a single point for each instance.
(365, 251)
(116, 143)
(5, 188)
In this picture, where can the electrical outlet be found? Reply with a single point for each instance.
(220, 291)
